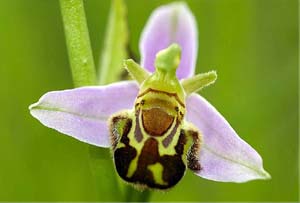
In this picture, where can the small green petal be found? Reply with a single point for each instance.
(136, 71)
(198, 82)
(168, 59)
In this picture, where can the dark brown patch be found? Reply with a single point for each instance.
(148, 156)
(173, 167)
(156, 121)
(124, 155)
(126, 130)
(137, 131)
(167, 93)
(181, 143)
(169, 138)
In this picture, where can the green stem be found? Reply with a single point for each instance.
(84, 74)
(136, 71)
(78, 43)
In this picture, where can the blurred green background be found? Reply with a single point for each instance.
(253, 44)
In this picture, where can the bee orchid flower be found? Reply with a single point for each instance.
(156, 126)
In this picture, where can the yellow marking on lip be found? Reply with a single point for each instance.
(120, 145)
(132, 167)
(159, 102)
(162, 92)
(157, 172)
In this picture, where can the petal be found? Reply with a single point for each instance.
(224, 156)
(173, 23)
(82, 113)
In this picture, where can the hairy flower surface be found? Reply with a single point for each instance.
(153, 143)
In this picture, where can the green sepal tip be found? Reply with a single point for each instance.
(198, 82)
(168, 59)
(136, 71)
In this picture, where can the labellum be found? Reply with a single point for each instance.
(152, 144)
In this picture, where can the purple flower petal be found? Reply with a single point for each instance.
(224, 156)
(82, 113)
(173, 23)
